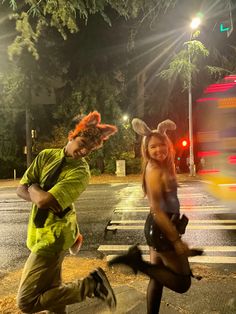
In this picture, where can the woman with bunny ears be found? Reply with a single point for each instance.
(52, 183)
(169, 264)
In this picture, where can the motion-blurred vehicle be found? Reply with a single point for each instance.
(216, 137)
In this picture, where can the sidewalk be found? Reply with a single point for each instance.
(208, 296)
(214, 294)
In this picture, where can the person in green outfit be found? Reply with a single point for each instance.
(53, 182)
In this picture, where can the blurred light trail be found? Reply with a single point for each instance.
(216, 137)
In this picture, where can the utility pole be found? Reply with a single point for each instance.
(28, 125)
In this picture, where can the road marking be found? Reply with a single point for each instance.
(190, 195)
(197, 259)
(213, 259)
(121, 247)
(204, 209)
(192, 221)
(192, 227)
(190, 208)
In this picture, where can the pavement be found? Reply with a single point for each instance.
(215, 293)
(208, 296)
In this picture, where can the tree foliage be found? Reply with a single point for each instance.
(33, 16)
(186, 62)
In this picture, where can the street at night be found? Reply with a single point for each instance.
(111, 217)
(118, 156)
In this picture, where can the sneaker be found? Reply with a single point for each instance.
(103, 289)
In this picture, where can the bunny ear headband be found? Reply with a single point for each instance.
(91, 124)
(141, 128)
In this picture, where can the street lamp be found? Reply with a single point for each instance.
(125, 119)
(192, 168)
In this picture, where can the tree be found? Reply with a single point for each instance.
(190, 62)
(33, 16)
(186, 63)
(55, 57)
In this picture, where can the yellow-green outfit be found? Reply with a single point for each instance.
(40, 287)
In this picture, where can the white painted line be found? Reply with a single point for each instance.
(117, 227)
(5, 208)
(192, 221)
(189, 195)
(182, 208)
(213, 259)
(203, 206)
(204, 209)
(192, 227)
(118, 210)
(212, 227)
(127, 222)
(197, 259)
(121, 247)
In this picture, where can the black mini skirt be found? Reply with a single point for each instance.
(154, 236)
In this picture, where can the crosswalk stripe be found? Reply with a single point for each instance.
(192, 221)
(189, 195)
(144, 209)
(189, 226)
(121, 247)
(213, 259)
(197, 259)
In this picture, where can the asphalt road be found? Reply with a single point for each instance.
(212, 224)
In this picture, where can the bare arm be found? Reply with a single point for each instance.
(22, 192)
(43, 199)
(39, 197)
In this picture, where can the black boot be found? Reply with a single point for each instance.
(133, 259)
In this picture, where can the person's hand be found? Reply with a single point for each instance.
(181, 247)
(34, 185)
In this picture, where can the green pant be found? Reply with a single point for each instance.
(41, 287)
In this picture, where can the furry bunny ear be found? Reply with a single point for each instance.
(165, 125)
(140, 127)
(107, 130)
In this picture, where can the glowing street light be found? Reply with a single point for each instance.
(125, 117)
(195, 23)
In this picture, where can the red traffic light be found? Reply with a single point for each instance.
(184, 143)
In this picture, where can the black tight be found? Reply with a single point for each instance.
(166, 277)
(154, 294)
(161, 276)
(166, 269)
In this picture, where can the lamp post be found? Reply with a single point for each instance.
(192, 168)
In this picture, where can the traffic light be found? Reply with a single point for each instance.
(184, 143)
(182, 153)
